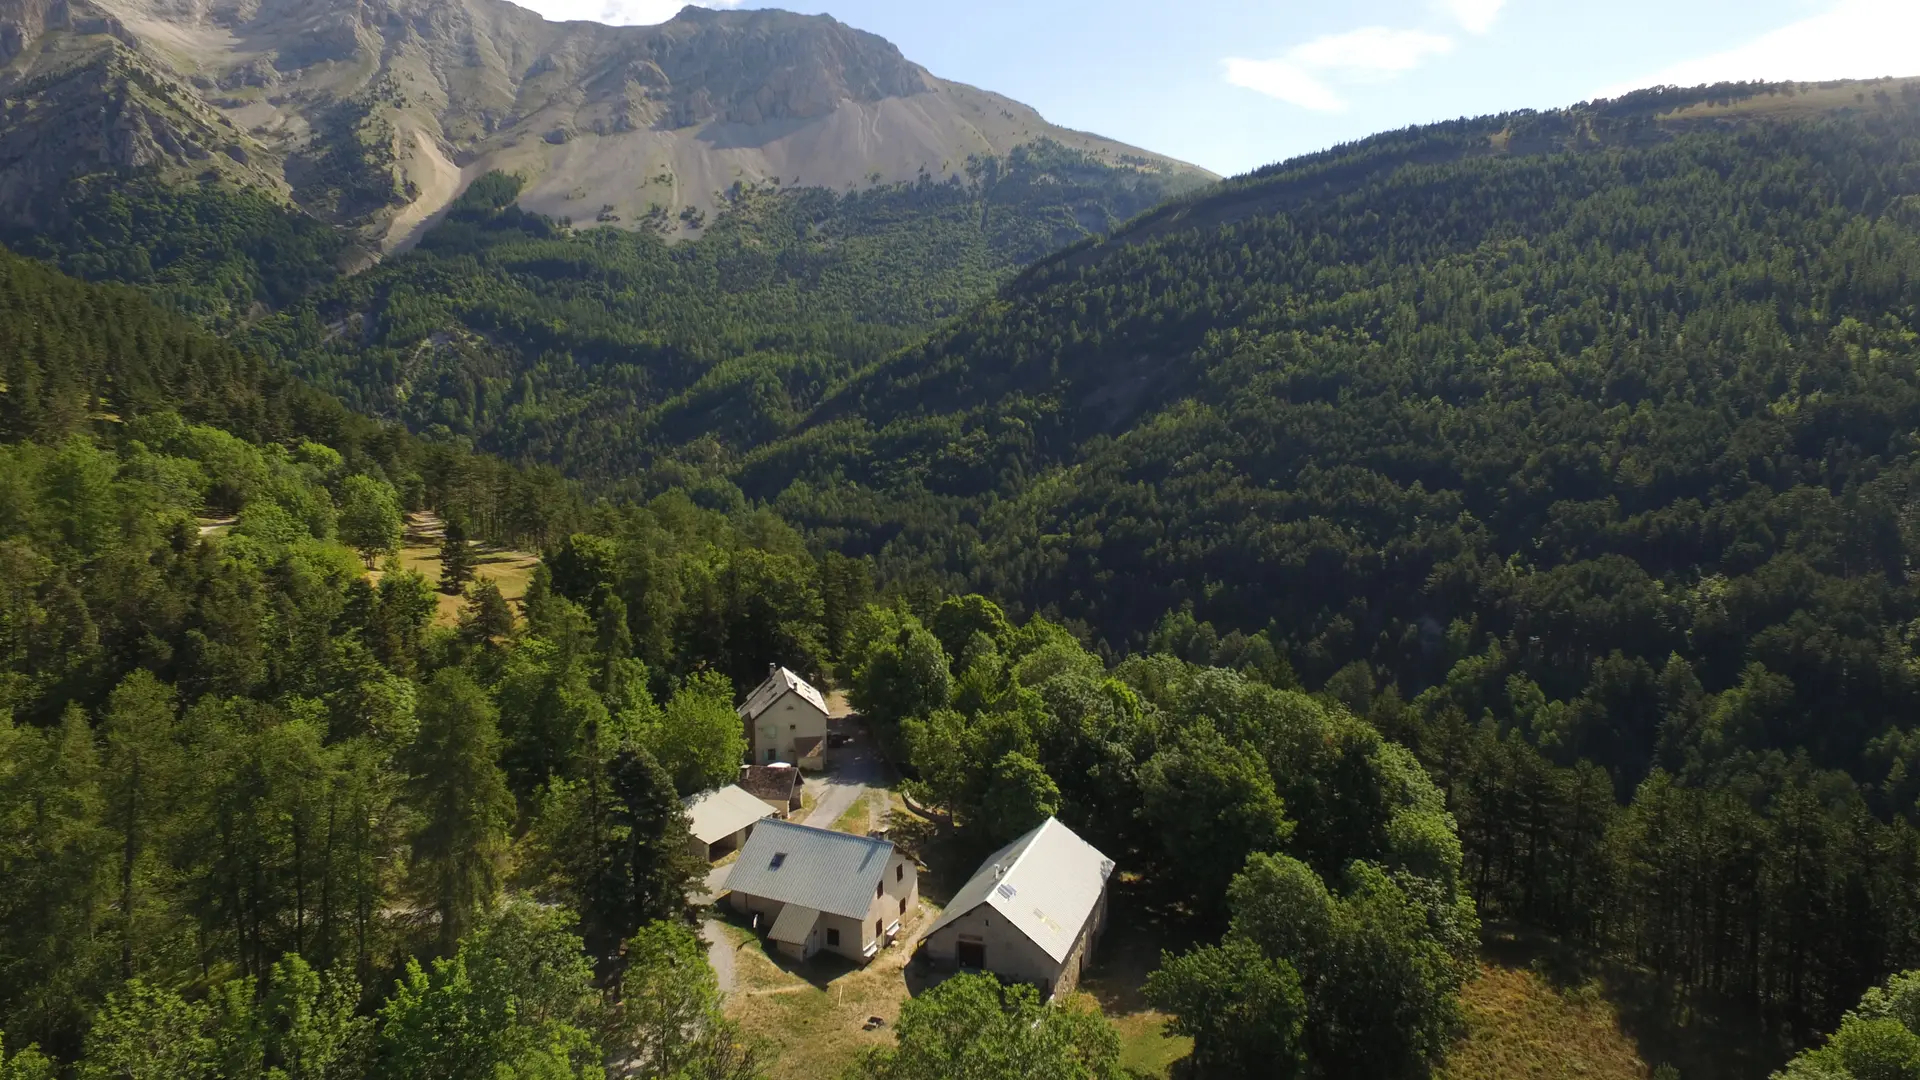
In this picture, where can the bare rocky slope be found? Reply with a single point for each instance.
(375, 114)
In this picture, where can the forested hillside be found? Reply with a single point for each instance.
(601, 351)
(1568, 460)
(260, 818)
(257, 815)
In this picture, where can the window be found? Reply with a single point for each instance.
(833, 937)
(779, 860)
(770, 752)
(900, 872)
(879, 928)
(903, 905)
(793, 727)
(879, 890)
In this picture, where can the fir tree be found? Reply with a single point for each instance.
(463, 800)
(456, 557)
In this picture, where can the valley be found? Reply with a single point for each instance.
(1443, 606)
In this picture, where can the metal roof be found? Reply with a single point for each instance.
(779, 682)
(794, 924)
(718, 814)
(1046, 884)
(829, 871)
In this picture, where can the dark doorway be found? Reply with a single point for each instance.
(972, 954)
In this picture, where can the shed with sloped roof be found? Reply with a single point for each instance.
(720, 820)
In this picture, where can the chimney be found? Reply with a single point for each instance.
(772, 670)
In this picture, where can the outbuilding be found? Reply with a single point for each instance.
(720, 820)
(1032, 913)
(776, 785)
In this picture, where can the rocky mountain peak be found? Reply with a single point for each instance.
(749, 67)
(375, 114)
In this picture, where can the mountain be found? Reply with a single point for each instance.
(376, 114)
(609, 353)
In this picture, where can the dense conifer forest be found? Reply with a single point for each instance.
(1504, 521)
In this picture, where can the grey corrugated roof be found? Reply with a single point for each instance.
(779, 681)
(718, 814)
(1046, 884)
(795, 923)
(825, 870)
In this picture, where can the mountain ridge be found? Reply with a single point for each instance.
(376, 114)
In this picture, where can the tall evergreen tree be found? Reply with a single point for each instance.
(456, 556)
(646, 867)
(142, 768)
(463, 802)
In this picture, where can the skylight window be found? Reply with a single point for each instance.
(779, 857)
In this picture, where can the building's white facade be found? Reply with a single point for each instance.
(786, 721)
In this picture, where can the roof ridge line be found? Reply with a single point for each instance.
(872, 841)
(1025, 851)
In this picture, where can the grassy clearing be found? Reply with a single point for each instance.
(1127, 954)
(1520, 1027)
(420, 553)
(1145, 1047)
(1808, 99)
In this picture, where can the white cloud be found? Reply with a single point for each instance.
(1853, 39)
(1474, 16)
(1307, 75)
(1283, 80)
(618, 12)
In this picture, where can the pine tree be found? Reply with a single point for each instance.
(456, 557)
(462, 796)
(647, 864)
(142, 769)
(487, 617)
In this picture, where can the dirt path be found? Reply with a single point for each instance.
(719, 953)
(857, 773)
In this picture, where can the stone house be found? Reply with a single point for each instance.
(1032, 913)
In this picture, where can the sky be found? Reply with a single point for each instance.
(1232, 85)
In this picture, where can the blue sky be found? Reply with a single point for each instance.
(1235, 84)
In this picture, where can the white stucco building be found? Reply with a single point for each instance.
(786, 721)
